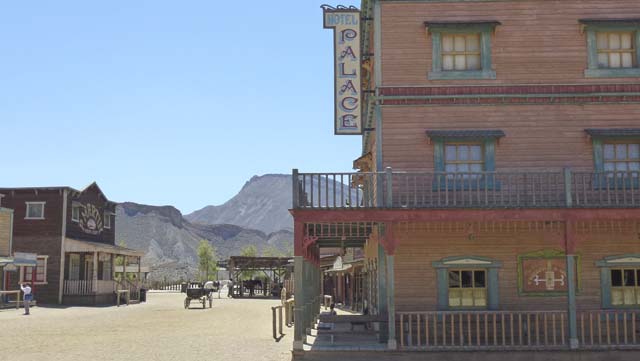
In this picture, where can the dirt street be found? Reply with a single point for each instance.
(160, 329)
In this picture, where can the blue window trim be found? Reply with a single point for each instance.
(590, 29)
(487, 181)
(485, 29)
(605, 265)
(442, 273)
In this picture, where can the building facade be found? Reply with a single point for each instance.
(497, 192)
(71, 234)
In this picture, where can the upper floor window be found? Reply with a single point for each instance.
(613, 47)
(75, 212)
(107, 219)
(621, 157)
(35, 210)
(461, 50)
(463, 158)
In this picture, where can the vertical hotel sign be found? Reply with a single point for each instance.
(346, 47)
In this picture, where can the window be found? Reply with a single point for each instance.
(40, 272)
(74, 267)
(467, 282)
(107, 220)
(35, 210)
(615, 50)
(620, 280)
(461, 50)
(625, 286)
(467, 288)
(75, 213)
(621, 157)
(106, 270)
(463, 158)
(612, 47)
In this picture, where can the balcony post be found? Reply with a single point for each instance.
(94, 286)
(571, 300)
(391, 304)
(567, 187)
(389, 185)
(296, 191)
(382, 292)
(299, 335)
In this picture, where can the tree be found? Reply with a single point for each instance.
(249, 251)
(207, 262)
(272, 251)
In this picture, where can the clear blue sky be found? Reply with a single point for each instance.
(165, 102)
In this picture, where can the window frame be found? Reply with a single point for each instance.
(625, 261)
(29, 204)
(490, 267)
(473, 287)
(591, 28)
(23, 272)
(73, 208)
(483, 29)
(601, 178)
(106, 220)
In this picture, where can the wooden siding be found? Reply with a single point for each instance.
(5, 232)
(93, 196)
(538, 137)
(539, 41)
(415, 277)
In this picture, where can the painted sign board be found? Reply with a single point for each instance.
(345, 21)
(543, 273)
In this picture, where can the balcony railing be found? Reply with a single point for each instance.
(391, 189)
(88, 287)
(495, 330)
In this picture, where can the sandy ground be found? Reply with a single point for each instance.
(160, 329)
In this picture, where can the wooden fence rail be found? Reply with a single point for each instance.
(609, 328)
(482, 330)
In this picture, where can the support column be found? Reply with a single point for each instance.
(570, 244)
(299, 336)
(94, 286)
(571, 300)
(382, 292)
(391, 303)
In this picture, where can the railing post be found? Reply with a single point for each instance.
(296, 191)
(280, 319)
(389, 185)
(567, 187)
(273, 322)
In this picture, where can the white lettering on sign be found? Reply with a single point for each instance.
(348, 108)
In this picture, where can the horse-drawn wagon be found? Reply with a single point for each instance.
(196, 291)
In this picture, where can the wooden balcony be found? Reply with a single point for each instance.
(490, 190)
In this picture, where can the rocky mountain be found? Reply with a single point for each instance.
(263, 203)
(170, 241)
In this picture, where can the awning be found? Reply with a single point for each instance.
(613, 132)
(18, 262)
(74, 245)
(465, 134)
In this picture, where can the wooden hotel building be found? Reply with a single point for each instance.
(497, 196)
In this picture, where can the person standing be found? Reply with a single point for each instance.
(26, 289)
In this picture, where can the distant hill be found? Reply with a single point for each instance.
(263, 203)
(170, 242)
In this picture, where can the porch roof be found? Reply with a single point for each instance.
(75, 245)
(16, 261)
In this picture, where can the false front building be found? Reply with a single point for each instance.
(71, 236)
(498, 192)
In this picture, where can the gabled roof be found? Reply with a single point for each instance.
(56, 188)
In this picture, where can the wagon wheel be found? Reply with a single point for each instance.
(186, 303)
